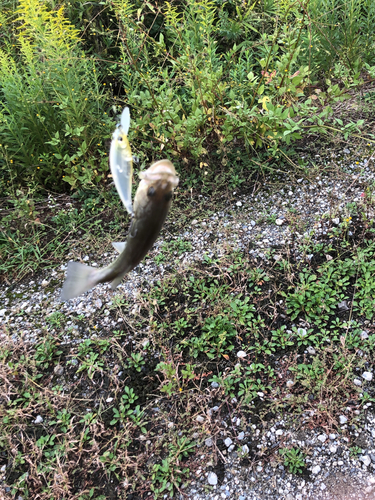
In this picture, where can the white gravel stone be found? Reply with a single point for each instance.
(322, 438)
(228, 442)
(240, 436)
(358, 382)
(200, 419)
(2, 312)
(239, 204)
(279, 222)
(38, 420)
(212, 478)
(209, 442)
(367, 376)
(342, 419)
(366, 460)
(241, 354)
(316, 469)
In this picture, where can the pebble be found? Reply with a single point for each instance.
(209, 442)
(38, 420)
(358, 382)
(342, 419)
(240, 436)
(58, 370)
(322, 438)
(228, 442)
(366, 460)
(212, 478)
(279, 222)
(200, 419)
(316, 469)
(241, 354)
(367, 376)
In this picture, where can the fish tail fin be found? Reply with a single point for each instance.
(79, 279)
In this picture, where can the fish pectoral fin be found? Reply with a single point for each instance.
(119, 246)
(115, 283)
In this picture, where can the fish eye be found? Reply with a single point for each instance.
(151, 191)
(120, 138)
(168, 196)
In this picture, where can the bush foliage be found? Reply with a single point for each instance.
(199, 77)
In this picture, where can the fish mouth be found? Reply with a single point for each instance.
(163, 172)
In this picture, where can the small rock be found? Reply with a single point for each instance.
(342, 419)
(372, 458)
(366, 460)
(194, 222)
(279, 432)
(316, 469)
(239, 204)
(279, 222)
(343, 306)
(241, 354)
(86, 258)
(58, 370)
(212, 478)
(328, 257)
(98, 303)
(289, 383)
(333, 449)
(364, 334)
(240, 436)
(38, 420)
(322, 438)
(209, 442)
(109, 400)
(311, 350)
(358, 382)
(215, 385)
(323, 486)
(228, 442)
(3, 468)
(332, 436)
(200, 419)
(45, 283)
(346, 151)
(2, 312)
(245, 449)
(367, 376)
(336, 221)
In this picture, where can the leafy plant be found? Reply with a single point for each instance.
(294, 459)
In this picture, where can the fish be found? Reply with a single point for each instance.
(121, 161)
(151, 205)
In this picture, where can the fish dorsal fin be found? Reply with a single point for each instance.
(119, 246)
(125, 120)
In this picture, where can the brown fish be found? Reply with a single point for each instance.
(151, 205)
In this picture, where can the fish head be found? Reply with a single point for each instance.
(120, 143)
(157, 183)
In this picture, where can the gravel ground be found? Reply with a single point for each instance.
(263, 218)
